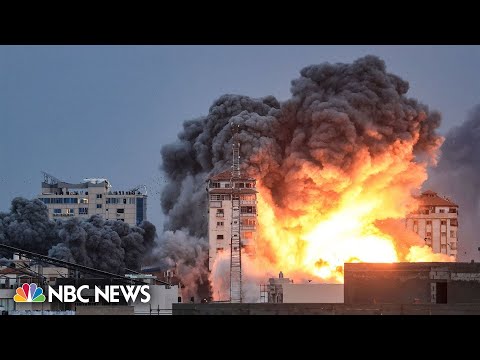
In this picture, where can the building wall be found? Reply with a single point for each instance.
(313, 293)
(160, 302)
(104, 310)
(220, 219)
(219, 224)
(325, 309)
(442, 237)
(412, 283)
(111, 205)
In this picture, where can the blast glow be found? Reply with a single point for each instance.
(320, 240)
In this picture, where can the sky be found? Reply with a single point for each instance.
(105, 111)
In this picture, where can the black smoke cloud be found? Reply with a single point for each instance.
(335, 111)
(106, 245)
(458, 177)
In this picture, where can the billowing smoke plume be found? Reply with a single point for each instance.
(458, 177)
(106, 245)
(186, 254)
(308, 147)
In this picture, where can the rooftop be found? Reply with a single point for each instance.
(9, 270)
(230, 191)
(227, 176)
(431, 198)
(52, 185)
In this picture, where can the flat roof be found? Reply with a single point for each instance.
(227, 176)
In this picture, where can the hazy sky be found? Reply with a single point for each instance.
(105, 111)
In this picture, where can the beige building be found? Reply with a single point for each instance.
(92, 196)
(227, 195)
(436, 221)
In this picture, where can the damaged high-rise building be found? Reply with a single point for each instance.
(226, 193)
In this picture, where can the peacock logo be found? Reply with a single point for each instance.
(29, 293)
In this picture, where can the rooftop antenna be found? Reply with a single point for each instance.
(138, 187)
(50, 179)
(235, 243)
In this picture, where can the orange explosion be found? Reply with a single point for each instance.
(335, 217)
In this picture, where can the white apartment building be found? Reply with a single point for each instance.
(222, 192)
(436, 221)
(92, 196)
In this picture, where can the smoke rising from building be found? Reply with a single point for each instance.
(458, 176)
(106, 245)
(341, 122)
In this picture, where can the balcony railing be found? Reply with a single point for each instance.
(248, 227)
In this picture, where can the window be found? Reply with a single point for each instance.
(240, 185)
(453, 222)
(248, 185)
(452, 233)
(120, 211)
(429, 234)
(219, 237)
(124, 200)
(70, 211)
(83, 201)
(443, 247)
(219, 249)
(219, 223)
(57, 211)
(428, 241)
(220, 213)
(131, 201)
(248, 222)
(99, 206)
(443, 234)
(247, 235)
(248, 209)
(215, 185)
(141, 210)
(247, 197)
(415, 223)
(99, 196)
(227, 185)
(452, 210)
(441, 211)
(453, 245)
(219, 197)
(215, 204)
(83, 211)
(443, 222)
(429, 222)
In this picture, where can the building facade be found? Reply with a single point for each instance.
(412, 283)
(436, 221)
(223, 195)
(91, 197)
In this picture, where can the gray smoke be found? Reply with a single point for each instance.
(458, 177)
(187, 255)
(335, 111)
(106, 245)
